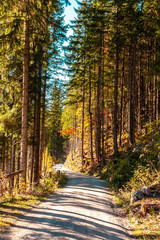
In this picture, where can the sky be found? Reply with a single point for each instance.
(70, 14)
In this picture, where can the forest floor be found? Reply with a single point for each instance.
(82, 210)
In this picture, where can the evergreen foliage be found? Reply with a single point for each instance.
(31, 38)
(114, 87)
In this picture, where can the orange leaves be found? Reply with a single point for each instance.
(156, 13)
(68, 131)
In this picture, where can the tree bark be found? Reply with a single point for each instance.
(82, 126)
(18, 160)
(42, 140)
(25, 101)
(13, 145)
(132, 65)
(37, 137)
(121, 111)
(90, 114)
(102, 103)
(115, 125)
(98, 116)
(139, 95)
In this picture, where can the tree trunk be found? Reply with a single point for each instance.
(139, 95)
(3, 152)
(132, 63)
(121, 111)
(12, 159)
(25, 101)
(102, 103)
(18, 160)
(37, 137)
(90, 114)
(42, 141)
(98, 116)
(157, 100)
(82, 127)
(115, 125)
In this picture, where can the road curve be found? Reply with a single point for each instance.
(80, 211)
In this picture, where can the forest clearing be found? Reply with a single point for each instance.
(89, 99)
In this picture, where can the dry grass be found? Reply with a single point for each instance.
(146, 223)
(17, 205)
(12, 208)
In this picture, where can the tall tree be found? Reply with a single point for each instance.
(25, 99)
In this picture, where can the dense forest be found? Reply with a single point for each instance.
(32, 34)
(113, 60)
(112, 96)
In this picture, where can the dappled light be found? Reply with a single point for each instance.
(82, 210)
(80, 89)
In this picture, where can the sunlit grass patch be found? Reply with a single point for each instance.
(11, 208)
(15, 205)
(147, 227)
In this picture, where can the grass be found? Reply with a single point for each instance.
(12, 208)
(15, 205)
(129, 171)
(147, 225)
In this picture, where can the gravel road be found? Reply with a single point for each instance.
(81, 210)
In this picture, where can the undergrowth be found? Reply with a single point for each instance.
(129, 171)
(12, 206)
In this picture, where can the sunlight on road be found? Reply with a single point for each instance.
(58, 166)
(80, 211)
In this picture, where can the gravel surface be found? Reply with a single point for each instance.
(83, 209)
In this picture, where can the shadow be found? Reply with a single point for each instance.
(74, 213)
(83, 197)
(62, 200)
(96, 189)
(92, 218)
(72, 230)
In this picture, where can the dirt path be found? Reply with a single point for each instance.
(81, 210)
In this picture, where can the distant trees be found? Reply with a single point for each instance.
(114, 57)
(53, 131)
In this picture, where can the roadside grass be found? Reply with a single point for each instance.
(147, 227)
(129, 171)
(14, 206)
(146, 223)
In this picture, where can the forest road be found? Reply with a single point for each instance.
(81, 210)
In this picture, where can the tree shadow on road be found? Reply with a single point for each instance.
(65, 216)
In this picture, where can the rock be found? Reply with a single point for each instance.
(137, 195)
(146, 190)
